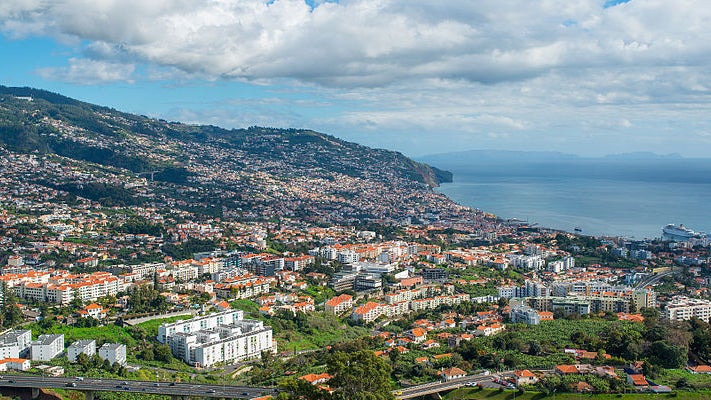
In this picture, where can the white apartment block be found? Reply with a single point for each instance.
(47, 347)
(227, 342)
(62, 289)
(114, 352)
(525, 314)
(684, 308)
(15, 343)
(87, 347)
(196, 324)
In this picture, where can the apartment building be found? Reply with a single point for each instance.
(223, 338)
(87, 347)
(339, 304)
(684, 308)
(47, 347)
(113, 352)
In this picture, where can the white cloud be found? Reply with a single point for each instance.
(543, 72)
(88, 72)
(372, 43)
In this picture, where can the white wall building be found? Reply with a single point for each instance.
(199, 323)
(223, 338)
(87, 347)
(683, 308)
(15, 343)
(47, 347)
(114, 352)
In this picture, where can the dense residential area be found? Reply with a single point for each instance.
(247, 270)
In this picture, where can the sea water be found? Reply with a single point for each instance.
(606, 201)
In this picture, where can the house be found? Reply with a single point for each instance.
(17, 364)
(525, 377)
(429, 344)
(93, 310)
(316, 379)
(418, 335)
(700, 369)
(452, 373)
(637, 380)
(582, 387)
(566, 369)
(488, 330)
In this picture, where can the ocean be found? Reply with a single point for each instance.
(631, 198)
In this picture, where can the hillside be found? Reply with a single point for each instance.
(249, 173)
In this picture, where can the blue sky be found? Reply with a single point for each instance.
(581, 76)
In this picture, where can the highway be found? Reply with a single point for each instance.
(650, 280)
(436, 387)
(128, 386)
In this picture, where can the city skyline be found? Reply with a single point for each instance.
(583, 77)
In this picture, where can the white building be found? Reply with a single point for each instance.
(683, 308)
(47, 347)
(199, 323)
(15, 343)
(525, 314)
(87, 347)
(223, 338)
(114, 352)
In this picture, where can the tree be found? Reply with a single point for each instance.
(12, 315)
(534, 348)
(147, 354)
(162, 353)
(667, 355)
(359, 376)
(83, 360)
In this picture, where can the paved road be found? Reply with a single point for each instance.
(114, 385)
(436, 387)
(654, 278)
(136, 321)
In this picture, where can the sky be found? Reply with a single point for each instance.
(588, 77)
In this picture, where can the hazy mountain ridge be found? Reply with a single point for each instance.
(289, 172)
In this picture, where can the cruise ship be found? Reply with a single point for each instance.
(679, 233)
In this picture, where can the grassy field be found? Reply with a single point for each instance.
(477, 394)
(151, 327)
(670, 377)
(107, 333)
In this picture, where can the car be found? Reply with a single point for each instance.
(171, 384)
(80, 378)
(125, 383)
(11, 381)
(118, 386)
(156, 384)
(245, 394)
(398, 393)
(126, 388)
(71, 384)
(211, 391)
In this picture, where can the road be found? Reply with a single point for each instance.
(136, 321)
(149, 387)
(654, 278)
(436, 387)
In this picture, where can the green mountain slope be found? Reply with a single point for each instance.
(255, 171)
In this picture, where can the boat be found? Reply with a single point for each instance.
(578, 229)
(680, 232)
